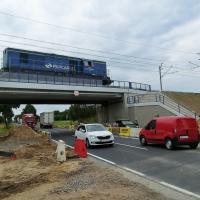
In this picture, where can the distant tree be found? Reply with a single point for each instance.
(29, 108)
(7, 112)
(81, 112)
(1, 119)
(58, 116)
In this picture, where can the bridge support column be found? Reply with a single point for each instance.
(112, 111)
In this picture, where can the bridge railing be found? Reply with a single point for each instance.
(36, 77)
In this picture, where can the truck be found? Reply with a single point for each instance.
(29, 119)
(46, 119)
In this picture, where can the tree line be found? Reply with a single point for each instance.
(82, 113)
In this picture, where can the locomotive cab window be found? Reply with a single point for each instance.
(88, 63)
(23, 58)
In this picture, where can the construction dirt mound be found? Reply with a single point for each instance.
(23, 132)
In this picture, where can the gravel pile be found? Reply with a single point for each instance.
(79, 182)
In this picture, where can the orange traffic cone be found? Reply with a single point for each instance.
(80, 148)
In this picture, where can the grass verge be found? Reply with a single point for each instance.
(3, 130)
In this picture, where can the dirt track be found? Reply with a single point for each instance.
(35, 174)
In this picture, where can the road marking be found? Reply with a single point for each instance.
(100, 158)
(126, 145)
(141, 174)
(180, 189)
(133, 171)
(132, 138)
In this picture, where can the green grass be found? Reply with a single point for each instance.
(69, 123)
(63, 124)
(3, 130)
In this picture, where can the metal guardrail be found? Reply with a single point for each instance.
(146, 98)
(27, 77)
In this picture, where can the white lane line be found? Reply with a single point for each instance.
(180, 189)
(100, 158)
(141, 174)
(133, 171)
(132, 138)
(126, 145)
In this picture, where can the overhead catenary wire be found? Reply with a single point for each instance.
(87, 49)
(92, 33)
(124, 63)
(81, 48)
(55, 49)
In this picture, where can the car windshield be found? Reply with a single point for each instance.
(127, 122)
(95, 127)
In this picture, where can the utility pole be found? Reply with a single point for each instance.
(160, 74)
(167, 72)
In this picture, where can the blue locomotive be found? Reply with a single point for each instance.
(18, 60)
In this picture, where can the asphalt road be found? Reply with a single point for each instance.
(180, 167)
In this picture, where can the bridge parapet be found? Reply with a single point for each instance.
(33, 77)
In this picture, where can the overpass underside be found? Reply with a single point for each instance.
(112, 100)
(24, 96)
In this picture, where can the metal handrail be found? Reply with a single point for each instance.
(161, 99)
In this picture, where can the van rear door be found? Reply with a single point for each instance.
(187, 129)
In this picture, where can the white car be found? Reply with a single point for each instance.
(94, 135)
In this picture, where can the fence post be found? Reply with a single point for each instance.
(130, 85)
(179, 109)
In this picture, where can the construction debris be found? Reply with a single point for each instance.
(36, 174)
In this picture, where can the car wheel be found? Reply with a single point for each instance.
(88, 143)
(143, 141)
(194, 145)
(169, 144)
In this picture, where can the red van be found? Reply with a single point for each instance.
(171, 131)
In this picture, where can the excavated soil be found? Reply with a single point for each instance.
(36, 175)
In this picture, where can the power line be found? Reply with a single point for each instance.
(91, 33)
(80, 48)
(111, 59)
(71, 46)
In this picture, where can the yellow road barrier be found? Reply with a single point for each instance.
(125, 131)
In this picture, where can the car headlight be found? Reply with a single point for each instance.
(93, 137)
(112, 136)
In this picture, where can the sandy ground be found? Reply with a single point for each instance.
(36, 175)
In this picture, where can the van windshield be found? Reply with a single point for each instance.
(187, 123)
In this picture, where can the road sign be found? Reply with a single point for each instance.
(76, 93)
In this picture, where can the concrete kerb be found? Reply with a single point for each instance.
(158, 186)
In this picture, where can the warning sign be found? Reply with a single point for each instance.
(125, 131)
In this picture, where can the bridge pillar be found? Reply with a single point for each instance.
(111, 111)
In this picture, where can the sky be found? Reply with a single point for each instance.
(134, 37)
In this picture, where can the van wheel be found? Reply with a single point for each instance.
(143, 141)
(194, 145)
(88, 144)
(169, 144)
